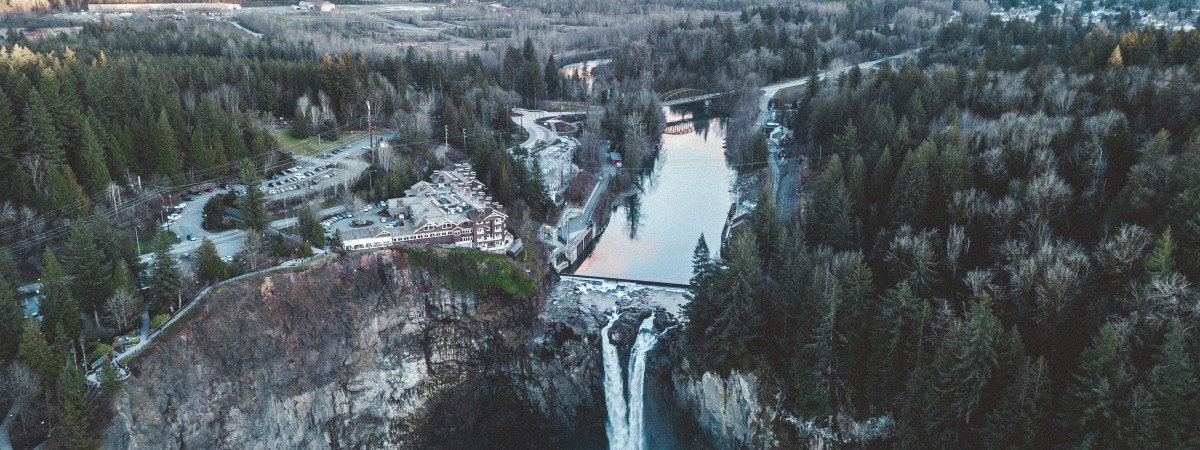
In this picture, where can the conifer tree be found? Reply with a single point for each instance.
(64, 196)
(910, 190)
(35, 353)
(535, 191)
(10, 322)
(90, 272)
(253, 203)
(833, 208)
(40, 136)
(1094, 408)
(736, 323)
(94, 168)
(1174, 387)
(768, 228)
(165, 277)
(1015, 423)
(60, 311)
(1161, 261)
(896, 333)
(165, 147)
(75, 407)
(209, 267)
(10, 137)
(553, 79)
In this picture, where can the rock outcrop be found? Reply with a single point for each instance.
(364, 351)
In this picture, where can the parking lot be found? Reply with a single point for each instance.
(293, 178)
(375, 212)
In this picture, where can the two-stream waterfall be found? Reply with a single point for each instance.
(625, 417)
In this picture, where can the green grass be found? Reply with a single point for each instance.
(310, 146)
(473, 270)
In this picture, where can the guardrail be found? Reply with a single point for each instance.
(154, 333)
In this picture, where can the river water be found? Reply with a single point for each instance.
(583, 70)
(651, 236)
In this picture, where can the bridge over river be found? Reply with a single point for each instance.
(688, 95)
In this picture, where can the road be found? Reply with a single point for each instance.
(527, 119)
(785, 174)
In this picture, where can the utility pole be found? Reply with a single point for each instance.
(370, 129)
(464, 131)
(446, 148)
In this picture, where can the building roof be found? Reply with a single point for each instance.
(371, 232)
(453, 196)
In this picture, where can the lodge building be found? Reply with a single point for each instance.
(452, 209)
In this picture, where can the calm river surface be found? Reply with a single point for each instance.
(652, 235)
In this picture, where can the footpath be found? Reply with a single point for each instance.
(148, 336)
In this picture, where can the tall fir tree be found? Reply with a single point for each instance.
(75, 407)
(1094, 409)
(1161, 261)
(35, 353)
(10, 321)
(94, 168)
(833, 208)
(60, 311)
(896, 332)
(1174, 387)
(209, 267)
(253, 204)
(90, 272)
(736, 324)
(165, 277)
(701, 308)
(40, 135)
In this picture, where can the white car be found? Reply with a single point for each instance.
(174, 216)
(273, 191)
(181, 205)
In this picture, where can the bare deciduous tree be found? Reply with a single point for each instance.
(122, 308)
(1121, 253)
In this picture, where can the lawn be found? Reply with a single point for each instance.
(311, 146)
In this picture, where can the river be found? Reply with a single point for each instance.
(651, 235)
(583, 71)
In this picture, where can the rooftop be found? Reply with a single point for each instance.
(370, 232)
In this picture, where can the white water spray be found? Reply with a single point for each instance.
(625, 427)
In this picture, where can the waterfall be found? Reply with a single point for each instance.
(637, 376)
(614, 391)
(625, 425)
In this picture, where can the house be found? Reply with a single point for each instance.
(366, 237)
(324, 6)
(303, 6)
(615, 158)
(452, 209)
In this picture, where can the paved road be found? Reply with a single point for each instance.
(537, 132)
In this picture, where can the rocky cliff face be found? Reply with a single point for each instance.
(364, 351)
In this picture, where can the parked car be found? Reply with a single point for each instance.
(191, 238)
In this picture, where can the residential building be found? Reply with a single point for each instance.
(453, 208)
